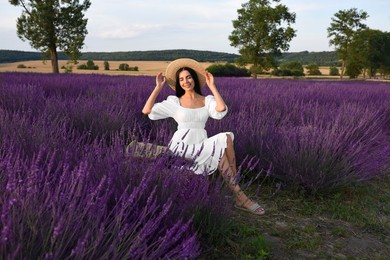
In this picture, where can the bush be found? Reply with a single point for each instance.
(21, 66)
(333, 71)
(89, 66)
(126, 67)
(68, 68)
(353, 70)
(106, 65)
(228, 70)
(287, 72)
(313, 69)
(292, 68)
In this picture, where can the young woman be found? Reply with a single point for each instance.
(191, 109)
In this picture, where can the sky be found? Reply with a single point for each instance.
(142, 25)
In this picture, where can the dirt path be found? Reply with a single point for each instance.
(292, 236)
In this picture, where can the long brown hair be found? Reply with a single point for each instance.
(179, 90)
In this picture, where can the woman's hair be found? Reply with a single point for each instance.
(179, 90)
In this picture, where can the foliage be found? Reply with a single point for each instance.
(90, 65)
(161, 55)
(7, 56)
(370, 51)
(106, 65)
(291, 68)
(126, 67)
(21, 66)
(323, 58)
(228, 70)
(286, 72)
(68, 68)
(49, 25)
(259, 35)
(333, 71)
(353, 70)
(313, 69)
(342, 29)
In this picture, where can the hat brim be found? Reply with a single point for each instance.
(174, 66)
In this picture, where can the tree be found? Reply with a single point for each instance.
(228, 70)
(259, 34)
(90, 65)
(343, 27)
(295, 67)
(124, 66)
(313, 69)
(53, 24)
(333, 71)
(106, 65)
(370, 49)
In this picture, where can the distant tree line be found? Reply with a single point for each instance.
(323, 58)
(320, 58)
(163, 55)
(7, 56)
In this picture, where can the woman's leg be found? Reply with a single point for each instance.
(228, 169)
(231, 155)
(230, 176)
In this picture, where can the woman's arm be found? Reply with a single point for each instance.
(221, 106)
(160, 81)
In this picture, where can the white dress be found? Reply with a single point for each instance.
(190, 140)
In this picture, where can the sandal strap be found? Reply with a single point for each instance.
(255, 206)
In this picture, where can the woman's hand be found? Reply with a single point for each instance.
(210, 80)
(160, 80)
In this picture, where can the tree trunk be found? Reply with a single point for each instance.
(54, 59)
(254, 71)
(342, 69)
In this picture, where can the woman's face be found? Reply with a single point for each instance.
(186, 81)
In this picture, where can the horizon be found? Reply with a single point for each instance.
(37, 51)
(117, 26)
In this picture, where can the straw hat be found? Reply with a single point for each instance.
(174, 66)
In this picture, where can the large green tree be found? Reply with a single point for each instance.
(261, 31)
(370, 52)
(53, 24)
(343, 27)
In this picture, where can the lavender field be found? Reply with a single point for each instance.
(68, 189)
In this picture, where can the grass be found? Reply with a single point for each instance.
(352, 223)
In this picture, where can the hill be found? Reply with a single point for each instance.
(323, 58)
(7, 56)
(320, 58)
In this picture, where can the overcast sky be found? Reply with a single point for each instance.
(140, 25)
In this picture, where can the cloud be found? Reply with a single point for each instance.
(127, 31)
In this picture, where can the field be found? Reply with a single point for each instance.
(316, 154)
(150, 68)
(145, 67)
